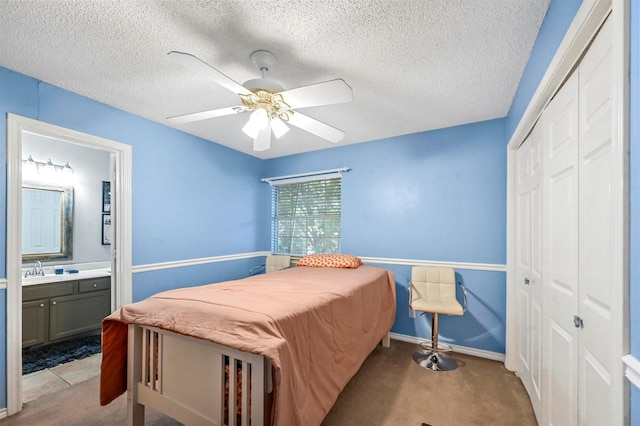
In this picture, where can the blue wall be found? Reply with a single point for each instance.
(191, 198)
(438, 195)
(558, 19)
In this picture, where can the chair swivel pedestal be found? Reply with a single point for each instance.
(432, 357)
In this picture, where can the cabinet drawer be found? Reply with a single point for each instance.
(103, 283)
(43, 291)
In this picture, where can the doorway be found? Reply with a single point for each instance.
(120, 164)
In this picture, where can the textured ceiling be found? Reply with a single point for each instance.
(414, 65)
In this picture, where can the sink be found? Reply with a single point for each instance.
(52, 278)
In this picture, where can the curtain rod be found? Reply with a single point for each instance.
(302, 175)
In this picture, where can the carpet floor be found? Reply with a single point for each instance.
(389, 390)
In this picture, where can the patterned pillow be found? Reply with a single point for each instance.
(330, 261)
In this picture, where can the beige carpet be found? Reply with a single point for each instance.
(392, 390)
(389, 390)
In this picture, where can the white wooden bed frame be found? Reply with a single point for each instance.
(189, 381)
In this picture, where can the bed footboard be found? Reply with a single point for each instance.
(195, 381)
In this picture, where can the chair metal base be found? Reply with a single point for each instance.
(435, 361)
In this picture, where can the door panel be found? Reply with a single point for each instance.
(536, 355)
(529, 265)
(560, 189)
(600, 351)
(523, 259)
(595, 391)
(561, 392)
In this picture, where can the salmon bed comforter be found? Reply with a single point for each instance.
(316, 326)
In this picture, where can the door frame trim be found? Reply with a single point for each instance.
(121, 244)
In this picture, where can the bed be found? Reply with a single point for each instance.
(271, 349)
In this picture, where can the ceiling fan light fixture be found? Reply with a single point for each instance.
(278, 127)
(258, 120)
(272, 108)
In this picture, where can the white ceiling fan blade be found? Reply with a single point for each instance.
(189, 61)
(316, 127)
(203, 115)
(263, 141)
(327, 93)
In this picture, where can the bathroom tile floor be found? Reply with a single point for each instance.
(43, 382)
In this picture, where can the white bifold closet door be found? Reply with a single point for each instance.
(582, 281)
(529, 265)
(560, 222)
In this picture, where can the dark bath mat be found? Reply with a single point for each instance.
(59, 353)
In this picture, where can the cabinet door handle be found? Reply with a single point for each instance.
(42, 305)
(95, 285)
(53, 303)
(526, 281)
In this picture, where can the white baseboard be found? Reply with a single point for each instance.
(633, 369)
(480, 353)
(3, 413)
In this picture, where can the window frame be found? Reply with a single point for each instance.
(324, 216)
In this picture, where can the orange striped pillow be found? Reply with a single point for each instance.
(330, 261)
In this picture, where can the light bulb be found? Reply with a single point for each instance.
(278, 127)
(30, 169)
(49, 171)
(67, 173)
(258, 120)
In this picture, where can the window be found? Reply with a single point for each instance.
(306, 217)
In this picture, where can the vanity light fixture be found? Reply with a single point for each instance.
(35, 170)
(48, 171)
(67, 172)
(29, 169)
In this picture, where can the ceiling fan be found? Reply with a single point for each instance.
(271, 107)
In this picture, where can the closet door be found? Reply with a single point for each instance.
(528, 265)
(560, 222)
(599, 351)
(583, 241)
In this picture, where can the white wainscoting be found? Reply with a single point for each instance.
(454, 265)
(377, 260)
(193, 262)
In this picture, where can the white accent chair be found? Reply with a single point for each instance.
(273, 262)
(433, 289)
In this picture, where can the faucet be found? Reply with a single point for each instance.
(35, 270)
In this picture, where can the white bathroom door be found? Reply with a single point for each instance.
(529, 265)
(560, 222)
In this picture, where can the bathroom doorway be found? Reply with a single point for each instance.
(18, 130)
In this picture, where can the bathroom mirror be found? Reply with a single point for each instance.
(47, 222)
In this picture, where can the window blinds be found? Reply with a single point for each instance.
(306, 217)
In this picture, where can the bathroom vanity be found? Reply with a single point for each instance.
(59, 310)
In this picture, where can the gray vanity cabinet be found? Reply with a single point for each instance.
(56, 311)
(34, 322)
